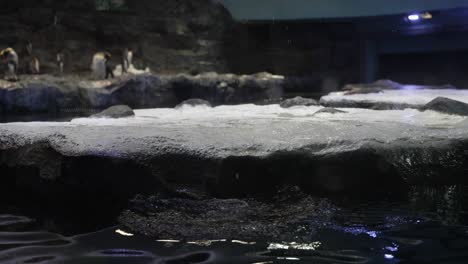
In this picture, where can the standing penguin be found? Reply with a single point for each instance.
(10, 58)
(60, 62)
(127, 59)
(33, 66)
(100, 66)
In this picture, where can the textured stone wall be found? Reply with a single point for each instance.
(168, 36)
(190, 36)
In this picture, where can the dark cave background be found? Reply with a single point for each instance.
(196, 36)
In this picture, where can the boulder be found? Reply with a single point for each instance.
(298, 101)
(117, 111)
(447, 106)
(194, 102)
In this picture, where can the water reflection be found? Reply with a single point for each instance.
(445, 202)
(429, 227)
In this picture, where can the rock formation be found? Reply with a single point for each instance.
(175, 36)
(298, 101)
(117, 111)
(234, 151)
(73, 95)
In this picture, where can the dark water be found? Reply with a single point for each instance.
(430, 226)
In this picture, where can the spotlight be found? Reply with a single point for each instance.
(419, 16)
(414, 17)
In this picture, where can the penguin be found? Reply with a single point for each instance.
(127, 59)
(33, 64)
(60, 62)
(34, 67)
(100, 66)
(10, 58)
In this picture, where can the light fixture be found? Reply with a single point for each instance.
(418, 16)
(414, 17)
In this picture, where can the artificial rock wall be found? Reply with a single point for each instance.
(189, 36)
(168, 36)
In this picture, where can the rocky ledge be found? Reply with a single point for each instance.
(387, 95)
(232, 151)
(198, 161)
(77, 95)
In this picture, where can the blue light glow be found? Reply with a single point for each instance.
(392, 249)
(414, 17)
(389, 256)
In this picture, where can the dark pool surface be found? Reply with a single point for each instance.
(431, 226)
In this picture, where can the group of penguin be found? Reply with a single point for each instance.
(100, 66)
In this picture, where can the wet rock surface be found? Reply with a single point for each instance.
(447, 105)
(117, 111)
(298, 101)
(74, 94)
(295, 223)
(283, 218)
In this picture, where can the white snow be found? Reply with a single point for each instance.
(131, 70)
(410, 94)
(240, 130)
(252, 116)
(97, 84)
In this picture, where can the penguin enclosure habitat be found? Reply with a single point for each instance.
(233, 131)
